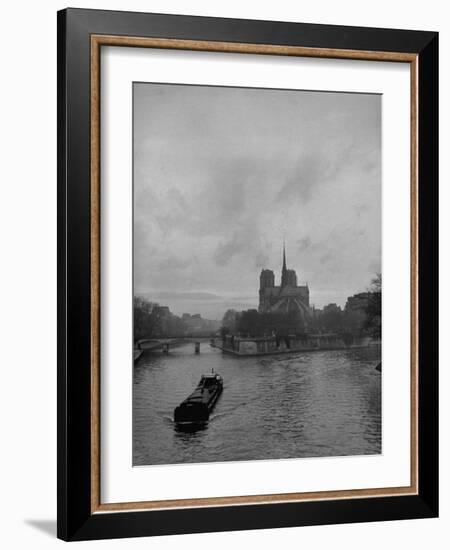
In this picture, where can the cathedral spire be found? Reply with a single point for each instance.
(284, 269)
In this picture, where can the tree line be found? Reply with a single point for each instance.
(151, 320)
(331, 319)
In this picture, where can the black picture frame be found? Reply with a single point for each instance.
(76, 520)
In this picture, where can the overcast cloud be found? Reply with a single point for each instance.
(221, 175)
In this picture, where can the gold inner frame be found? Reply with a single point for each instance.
(97, 41)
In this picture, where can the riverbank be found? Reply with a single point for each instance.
(246, 347)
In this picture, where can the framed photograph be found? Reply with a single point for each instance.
(247, 254)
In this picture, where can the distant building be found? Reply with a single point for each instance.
(358, 302)
(286, 298)
(331, 308)
(163, 311)
(195, 324)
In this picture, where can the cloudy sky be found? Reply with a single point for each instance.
(222, 175)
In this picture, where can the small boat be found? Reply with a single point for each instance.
(197, 407)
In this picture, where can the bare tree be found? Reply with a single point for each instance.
(146, 318)
(374, 305)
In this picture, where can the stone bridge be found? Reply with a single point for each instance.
(165, 344)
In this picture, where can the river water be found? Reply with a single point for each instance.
(287, 406)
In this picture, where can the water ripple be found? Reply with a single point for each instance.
(290, 406)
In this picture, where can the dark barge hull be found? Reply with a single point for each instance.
(198, 406)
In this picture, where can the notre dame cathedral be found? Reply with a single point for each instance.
(286, 298)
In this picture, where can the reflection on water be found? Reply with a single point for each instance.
(287, 406)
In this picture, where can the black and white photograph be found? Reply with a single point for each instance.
(257, 274)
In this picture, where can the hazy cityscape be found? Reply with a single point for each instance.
(361, 315)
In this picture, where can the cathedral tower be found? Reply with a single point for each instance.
(266, 279)
(285, 298)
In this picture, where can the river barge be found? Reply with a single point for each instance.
(198, 406)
